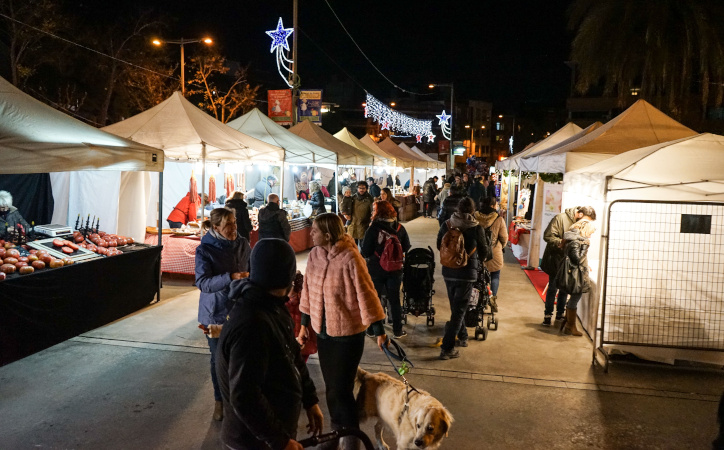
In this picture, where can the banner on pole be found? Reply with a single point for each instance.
(280, 106)
(309, 106)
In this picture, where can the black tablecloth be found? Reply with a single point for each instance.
(50, 306)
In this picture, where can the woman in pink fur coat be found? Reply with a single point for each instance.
(339, 301)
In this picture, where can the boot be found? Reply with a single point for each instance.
(494, 304)
(218, 411)
(570, 326)
(546, 320)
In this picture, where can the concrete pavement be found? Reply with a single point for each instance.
(143, 381)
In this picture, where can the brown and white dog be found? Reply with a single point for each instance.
(421, 423)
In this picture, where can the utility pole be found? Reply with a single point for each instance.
(295, 72)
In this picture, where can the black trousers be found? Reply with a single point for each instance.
(428, 208)
(339, 360)
(458, 293)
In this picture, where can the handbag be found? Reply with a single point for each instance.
(570, 278)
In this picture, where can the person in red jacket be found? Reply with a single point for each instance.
(184, 212)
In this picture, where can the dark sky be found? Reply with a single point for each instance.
(503, 51)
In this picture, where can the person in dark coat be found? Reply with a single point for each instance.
(243, 222)
(222, 256)
(459, 282)
(264, 381)
(262, 189)
(477, 192)
(374, 188)
(489, 186)
(450, 204)
(384, 220)
(273, 221)
(317, 198)
(575, 247)
(10, 214)
(429, 191)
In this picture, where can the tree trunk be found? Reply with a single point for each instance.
(103, 117)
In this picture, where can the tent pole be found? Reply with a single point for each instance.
(281, 182)
(336, 189)
(159, 243)
(203, 181)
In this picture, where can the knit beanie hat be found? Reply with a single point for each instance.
(273, 264)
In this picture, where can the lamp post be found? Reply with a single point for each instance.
(181, 42)
(472, 143)
(452, 118)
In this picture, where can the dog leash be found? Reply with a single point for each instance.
(401, 371)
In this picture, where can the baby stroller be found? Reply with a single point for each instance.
(417, 284)
(479, 301)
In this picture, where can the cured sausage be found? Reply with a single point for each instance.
(38, 265)
(72, 245)
(58, 242)
(10, 260)
(7, 268)
(26, 270)
(67, 250)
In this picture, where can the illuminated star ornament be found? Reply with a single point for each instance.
(444, 119)
(419, 138)
(279, 43)
(389, 119)
(430, 137)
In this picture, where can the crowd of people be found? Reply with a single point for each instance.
(355, 268)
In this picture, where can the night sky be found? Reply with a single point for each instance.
(507, 52)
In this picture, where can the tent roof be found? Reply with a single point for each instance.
(421, 163)
(568, 130)
(437, 163)
(693, 164)
(346, 154)
(35, 138)
(180, 128)
(388, 146)
(296, 149)
(374, 146)
(348, 138)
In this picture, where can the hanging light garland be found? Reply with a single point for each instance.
(389, 119)
(279, 42)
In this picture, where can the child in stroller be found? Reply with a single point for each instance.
(479, 301)
(417, 284)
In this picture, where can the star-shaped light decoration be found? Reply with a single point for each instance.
(385, 124)
(367, 112)
(419, 138)
(430, 137)
(444, 118)
(280, 36)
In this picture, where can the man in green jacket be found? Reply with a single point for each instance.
(361, 212)
(552, 258)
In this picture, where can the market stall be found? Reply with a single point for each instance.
(657, 258)
(87, 289)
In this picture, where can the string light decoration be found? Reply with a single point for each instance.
(419, 138)
(430, 138)
(280, 44)
(390, 119)
(444, 124)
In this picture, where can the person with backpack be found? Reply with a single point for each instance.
(384, 247)
(462, 244)
(495, 228)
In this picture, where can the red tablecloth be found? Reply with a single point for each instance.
(514, 229)
(299, 240)
(178, 252)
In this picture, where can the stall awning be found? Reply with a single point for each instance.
(567, 131)
(297, 150)
(181, 130)
(345, 136)
(35, 138)
(346, 154)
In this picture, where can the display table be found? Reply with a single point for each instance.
(179, 252)
(409, 208)
(300, 239)
(52, 305)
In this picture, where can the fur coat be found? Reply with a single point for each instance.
(338, 285)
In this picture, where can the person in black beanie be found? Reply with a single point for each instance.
(263, 379)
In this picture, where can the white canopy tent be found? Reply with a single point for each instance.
(680, 292)
(440, 165)
(347, 155)
(188, 134)
(35, 138)
(567, 131)
(348, 138)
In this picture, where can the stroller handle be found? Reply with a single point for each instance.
(336, 435)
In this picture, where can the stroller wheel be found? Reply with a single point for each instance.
(430, 321)
(432, 311)
(404, 319)
(481, 333)
(492, 321)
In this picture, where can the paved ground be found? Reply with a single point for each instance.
(143, 382)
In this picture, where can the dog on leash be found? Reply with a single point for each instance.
(419, 421)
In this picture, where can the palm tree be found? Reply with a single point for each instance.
(672, 50)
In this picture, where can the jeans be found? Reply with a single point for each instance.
(494, 281)
(174, 224)
(551, 298)
(390, 285)
(213, 343)
(573, 301)
(338, 360)
(458, 293)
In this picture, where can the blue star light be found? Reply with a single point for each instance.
(280, 36)
(444, 118)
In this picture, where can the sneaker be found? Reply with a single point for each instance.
(546, 321)
(449, 354)
(401, 334)
(463, 343)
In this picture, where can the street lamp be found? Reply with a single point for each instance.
(181, 42)
(472, 142)
(452, 119)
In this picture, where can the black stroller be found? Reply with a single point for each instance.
(479, 301)
(417, 284)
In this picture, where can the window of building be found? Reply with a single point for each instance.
(500, 126)
(499, 138)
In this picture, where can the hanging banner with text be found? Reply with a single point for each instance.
(280, 106)
(309, 106)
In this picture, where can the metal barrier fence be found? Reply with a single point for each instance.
(663, 284)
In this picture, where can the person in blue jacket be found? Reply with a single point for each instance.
(222, 256)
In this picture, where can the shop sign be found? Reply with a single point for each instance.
(280, 106)
(309, 106)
